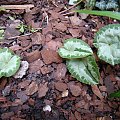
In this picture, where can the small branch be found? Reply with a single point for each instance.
(37, 29)
(16, 7)
(71, 7)
(9, 7)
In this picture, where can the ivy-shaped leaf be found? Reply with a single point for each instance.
(75, 48)
(9, 63)
(107, 40)
(84, 70)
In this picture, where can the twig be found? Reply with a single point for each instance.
(71, 7)
(19, 36)
(37, 29)
(69, 13)
(16, 7)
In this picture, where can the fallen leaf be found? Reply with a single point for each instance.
(53, 45)
(35, 66)
(97, 92)
(15, 47)
(74, 32)
(22, 71)
(61, 26)
(75, 20)
(37, 38)
(109, 85)
(33, 56)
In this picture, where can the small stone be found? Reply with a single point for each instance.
(75, 90)
(32, 88)
(23, 97)
(42, 90)
(45, 70)
(65, 93)
(61, 71)
(24, 84)
(47, 108)
(6, 91)
(60, 86)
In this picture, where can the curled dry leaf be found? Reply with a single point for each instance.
(22, 70)
(97, 92)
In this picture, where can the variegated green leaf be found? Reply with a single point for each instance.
(84, 70)
(107, 40)
(9, 63)
(75, 48)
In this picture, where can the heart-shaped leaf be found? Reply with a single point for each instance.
(84, 70)
(107, 40)
(75, 48)
(9, 63)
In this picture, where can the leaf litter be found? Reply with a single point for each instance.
(46, 85)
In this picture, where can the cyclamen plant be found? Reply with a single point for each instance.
(80, 60)
(9, 63)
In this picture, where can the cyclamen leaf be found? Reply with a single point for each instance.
(9, 63)
(84, 70)
(75, 48)
(107, 40)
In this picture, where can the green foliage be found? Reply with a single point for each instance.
(91, 4)
(2, 9)
(84, 70)
(115, 15)
(75, 48)
(9, 63)
(115, 94)
(81, 64)
(22, 28)
(107, 4)
(107, 40)
(1, 34)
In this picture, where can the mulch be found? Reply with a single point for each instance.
(46, 90)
